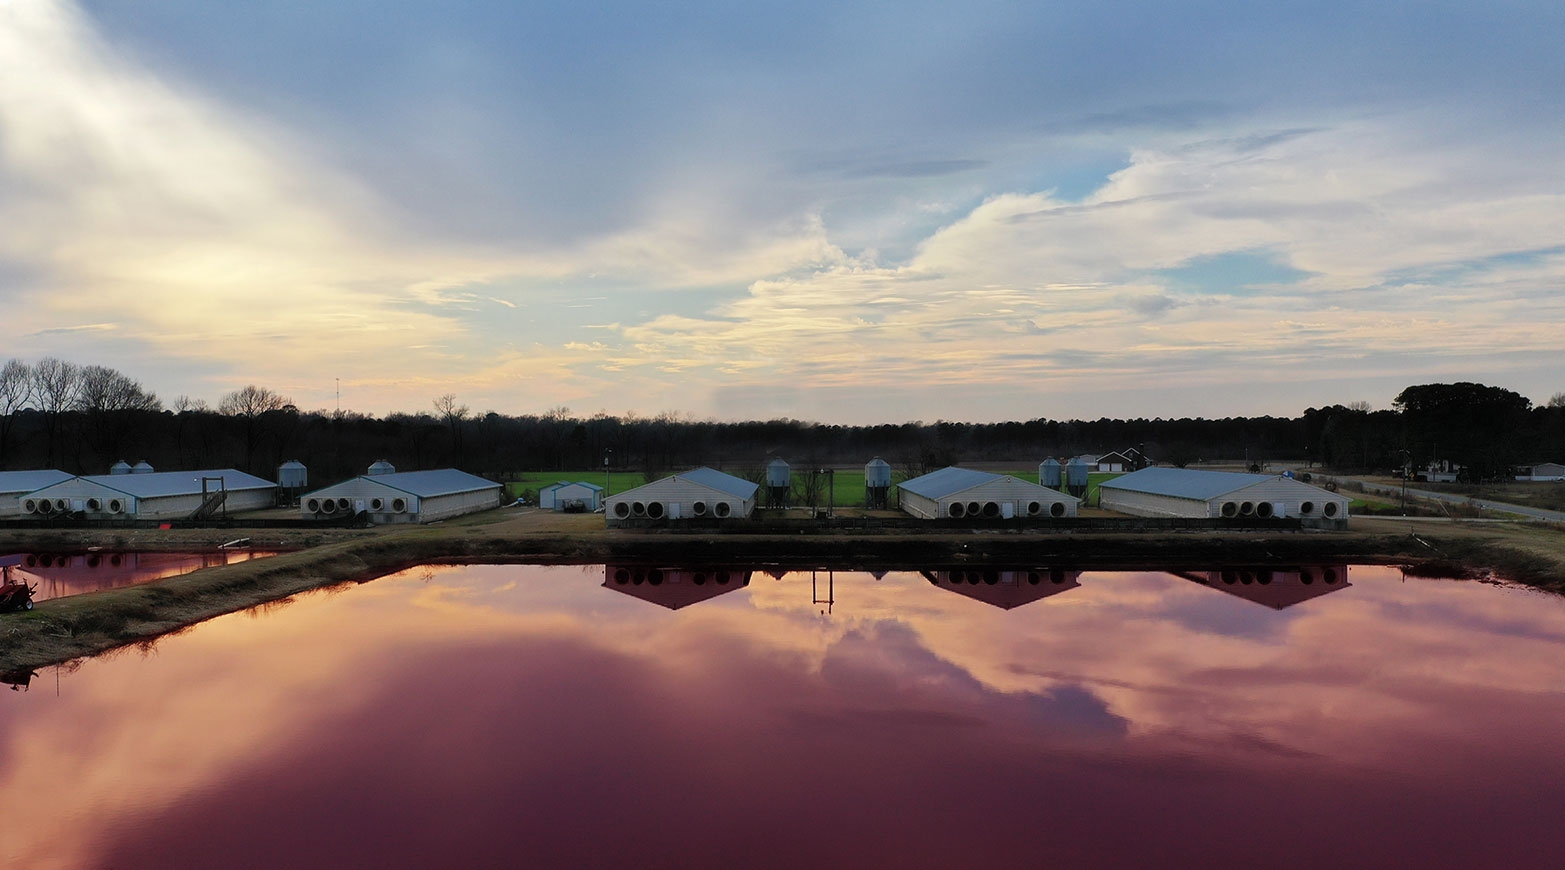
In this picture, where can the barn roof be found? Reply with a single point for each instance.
(946, 481)
(157, 484)
(28, 481)
(1185, 482)
(592, 486)
(711, 477)
(435, 482)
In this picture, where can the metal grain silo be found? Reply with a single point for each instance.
(142, 467)
(121, 467)
(778, 478)
(877, 483)
(292, 480)
(1049, 473)
(1076, 477)
(381, 466)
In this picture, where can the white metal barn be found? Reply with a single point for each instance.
(698, 494)
(1183, 492)
(963, 492)
(1543, 471)
(567, 496)
(405, 496)
(154, 495)
(15, 484)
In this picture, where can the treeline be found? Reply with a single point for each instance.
(82, 419)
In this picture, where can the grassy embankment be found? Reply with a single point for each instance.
(62, 629)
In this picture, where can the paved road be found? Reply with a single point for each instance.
(1452, 498)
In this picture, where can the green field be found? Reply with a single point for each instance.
(847, 488)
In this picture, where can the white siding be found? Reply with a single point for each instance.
(178, 506)
(671, 491)
(575, 492)
(1145, 504)
(81, 491)
(166, 507)
(440, 507)
(918, 506)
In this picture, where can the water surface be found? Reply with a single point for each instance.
(60, 574)
(961, 717)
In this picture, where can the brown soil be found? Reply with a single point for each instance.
(65, 628)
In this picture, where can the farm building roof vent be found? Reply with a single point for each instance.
(121, 467)
(381, 466)
(142, 467)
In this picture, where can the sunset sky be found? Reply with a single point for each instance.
(845, 211)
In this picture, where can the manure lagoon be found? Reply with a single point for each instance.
(630, 716)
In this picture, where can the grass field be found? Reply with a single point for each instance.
(847, 487)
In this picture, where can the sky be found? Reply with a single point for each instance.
(851, 212)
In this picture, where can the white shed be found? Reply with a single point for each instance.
(566, 496)
(963, 492)
(15, 484)
(152, 495)
(405, 496)
(1183, 492)
(699, 494)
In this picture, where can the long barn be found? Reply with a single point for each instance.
(14, 485)
(404, 496)
(1183, 492)
(154, 495)
(703, 493)
(966, 493)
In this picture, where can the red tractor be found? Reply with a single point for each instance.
(14, 594)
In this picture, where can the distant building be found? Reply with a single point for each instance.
(963, 492)
(405, 496)
(1440, 471)
(1183, 492)
(700, 494)
(1273, 587)
(152, 495)
(1542, 471)
(16, 484)
(578, 497)
(1116, 463)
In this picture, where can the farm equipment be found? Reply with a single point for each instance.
(14, 594)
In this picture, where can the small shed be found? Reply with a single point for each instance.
(567, 497)
(964, 492)
(405, 496)
(15, 484)
(700, 494)
(1183, 492)
(1114, 463)
(152, 495)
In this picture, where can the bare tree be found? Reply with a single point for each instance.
(453, 414)
(1557, 400)
(110, 401)
(251, 405)
(56, 384)
(16, 389)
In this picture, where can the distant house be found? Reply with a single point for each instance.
(1542, 471)
(1116, 462)
(15, 484)
(405, 496)
(964, 492)
(703, 493)
(574, 497)
(1183, 492)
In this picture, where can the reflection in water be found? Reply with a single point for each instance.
(674, 587)
(1005, 588)
(60, 574)
(1274, 587)
(488, 715)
